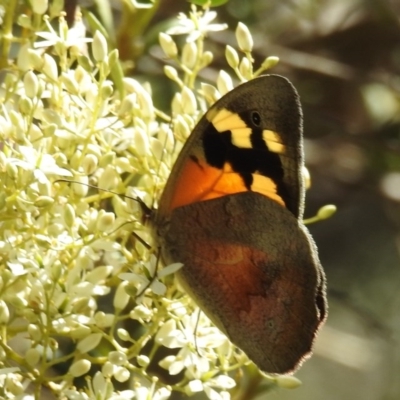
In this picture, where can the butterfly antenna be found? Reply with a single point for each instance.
(146, 211)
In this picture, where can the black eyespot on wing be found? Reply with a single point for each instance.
(256, 118)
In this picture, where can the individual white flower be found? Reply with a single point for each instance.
(75, 36)
(100, 388)
(42, 165)
(222, 382)
(141, 313)
(145, 393)
(11, 383)
(197, 343)
(196, 25)
(72, 394)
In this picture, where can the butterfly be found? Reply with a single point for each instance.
(231, 212)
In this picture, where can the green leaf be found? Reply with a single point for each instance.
(210, 3)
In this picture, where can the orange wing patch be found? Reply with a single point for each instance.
(198, 181)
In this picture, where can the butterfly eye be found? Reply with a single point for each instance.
(256, 118)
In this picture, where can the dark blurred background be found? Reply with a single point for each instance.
(344, 58)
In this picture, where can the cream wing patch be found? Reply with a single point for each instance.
(273, 141)
(225, 120)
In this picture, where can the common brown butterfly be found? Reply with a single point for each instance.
(231, 212)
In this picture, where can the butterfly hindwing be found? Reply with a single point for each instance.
(253, 271)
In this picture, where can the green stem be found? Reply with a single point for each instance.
(6, 37)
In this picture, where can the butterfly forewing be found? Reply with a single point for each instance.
(228, 145)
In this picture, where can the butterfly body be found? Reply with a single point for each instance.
(231, 213)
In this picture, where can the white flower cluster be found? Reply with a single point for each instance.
(73, 279)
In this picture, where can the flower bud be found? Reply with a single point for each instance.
(168, 45)
(171, 73)
(117, 357)
(70, 83)
(232, 57)
(24, 21)
(104, 320)
(99, 47)
(123, 334)
(34, 332)
(108, 369)
(25, 105)
(157, 148)
(113, 58)
(89, 342)
(327, 211)
(141, 142)
(188, 101)
(35, 133)
(80, 368)
(269, 62)
(39, 6)
(189, 54)
(107, 159)
(35, 60)
(69, 215)
(181, 127)
(106, 90)
(176, 104)
(206, 59)
(32, 356)
(31, 84)
(85, 63)
(146, 104)
(80, 188)
(287, 382)
(105, 221)
(122, 374)
(43, 201)
(244, 38)
(245, 68)
(121, 297)
(224, 82)
(109, 178)
(210, 93)
(4, 313)
(143, 361)
(89, 164)
(49, 67)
